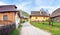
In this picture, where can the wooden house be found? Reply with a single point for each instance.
(9, 15)
(55, 16)
(23, 18)
(39, 16)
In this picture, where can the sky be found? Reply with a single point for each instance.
(33, 5)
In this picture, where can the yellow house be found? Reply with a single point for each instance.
(39, 16)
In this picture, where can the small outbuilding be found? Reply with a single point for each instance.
(23, 18)
(55, 16)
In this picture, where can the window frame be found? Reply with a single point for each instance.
(5, 17)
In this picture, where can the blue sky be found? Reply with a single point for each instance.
(33, 5)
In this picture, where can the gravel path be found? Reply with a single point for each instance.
(28, 29)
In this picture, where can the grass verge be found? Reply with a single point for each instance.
(16, 31)
(55, 30)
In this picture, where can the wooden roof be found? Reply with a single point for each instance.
(8, 8)
(22, 17)
(56, 13)
(39, 13)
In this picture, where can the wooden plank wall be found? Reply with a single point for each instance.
(6, 30)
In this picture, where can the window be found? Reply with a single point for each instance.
(5, 17)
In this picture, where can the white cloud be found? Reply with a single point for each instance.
(44, 2)
(2, 3)
(49, 8)
(24, 6)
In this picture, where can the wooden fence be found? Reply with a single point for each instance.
(7, 29)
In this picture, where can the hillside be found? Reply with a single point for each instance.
(24, 13)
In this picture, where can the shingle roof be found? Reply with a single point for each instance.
(56, 13)
(39, 13)
(6, 8)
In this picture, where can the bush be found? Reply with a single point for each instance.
(22, 21)
(20, 26)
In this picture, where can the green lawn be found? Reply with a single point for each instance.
(16, 31)
(55, 30)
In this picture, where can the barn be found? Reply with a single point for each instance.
(55, 16)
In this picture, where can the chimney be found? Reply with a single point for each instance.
(49, 15)
(40, 13)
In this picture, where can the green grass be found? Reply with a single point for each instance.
(15, 32)
(55, 29)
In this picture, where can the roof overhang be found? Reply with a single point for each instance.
(39, 15)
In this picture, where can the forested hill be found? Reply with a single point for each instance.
(24, 13)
